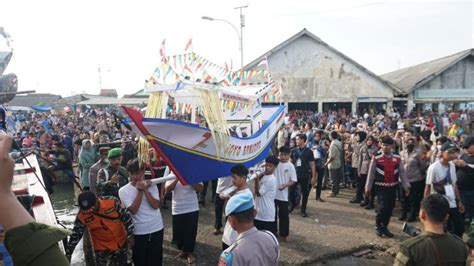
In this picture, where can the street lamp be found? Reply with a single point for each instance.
(239, 35)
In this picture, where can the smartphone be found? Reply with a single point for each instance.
(410, 230)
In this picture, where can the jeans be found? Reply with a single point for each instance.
(283, 216)
(148, 249)
(185, 230)
(386, 202)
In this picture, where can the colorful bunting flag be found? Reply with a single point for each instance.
(162, 51)
(189, 45)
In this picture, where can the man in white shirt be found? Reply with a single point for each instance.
(239, 180)
(265, 192)
(223, 183)
(141, 198)
(185, 211)
(286, 177)
(441, 179)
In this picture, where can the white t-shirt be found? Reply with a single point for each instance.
(230, 235)
(436, 173)
(285, 172)
(184, 199)
(147, 220)
(294, 134)
(223, 183)
(445, 121)
(265, 203)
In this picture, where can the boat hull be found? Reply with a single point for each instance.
(191, 153)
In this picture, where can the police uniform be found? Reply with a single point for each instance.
(385, 173)
(432, 249)
(252, 247)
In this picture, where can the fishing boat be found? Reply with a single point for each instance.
(235, 127)
(28, 183)
(8, 82)
(32, 190)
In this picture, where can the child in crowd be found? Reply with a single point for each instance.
(265, 192)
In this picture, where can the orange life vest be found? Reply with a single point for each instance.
(107, 230)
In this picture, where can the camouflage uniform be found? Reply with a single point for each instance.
(109, 258)
(104, 187)
(118, 257)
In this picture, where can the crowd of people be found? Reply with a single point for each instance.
(422, 160)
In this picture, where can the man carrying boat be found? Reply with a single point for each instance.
(112, 177)
(110, 225)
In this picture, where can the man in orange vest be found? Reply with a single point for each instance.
(110, 226)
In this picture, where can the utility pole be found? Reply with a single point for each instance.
(100, 77)
(242, 25)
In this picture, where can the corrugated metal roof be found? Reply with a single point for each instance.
(34, 99)
(413, 77)
(321, 42)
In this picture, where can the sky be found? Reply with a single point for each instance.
(60, 45)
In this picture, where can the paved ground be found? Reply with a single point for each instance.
(334, 230)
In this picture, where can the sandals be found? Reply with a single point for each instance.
(191, 260)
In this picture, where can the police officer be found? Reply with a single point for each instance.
(252, 247)
(385, 171)
(434, 246)
(111, 178)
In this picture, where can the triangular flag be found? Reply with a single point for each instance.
(189, 45)
(162, 51)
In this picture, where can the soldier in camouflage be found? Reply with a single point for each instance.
(111, 178)
(110, 226)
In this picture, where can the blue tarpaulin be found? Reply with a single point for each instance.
(41, 108)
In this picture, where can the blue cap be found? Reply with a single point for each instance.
(239, 203)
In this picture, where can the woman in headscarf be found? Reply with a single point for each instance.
(87, 157)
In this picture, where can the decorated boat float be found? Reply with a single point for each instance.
(222, 121)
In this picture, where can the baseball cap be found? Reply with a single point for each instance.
(449, 147)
